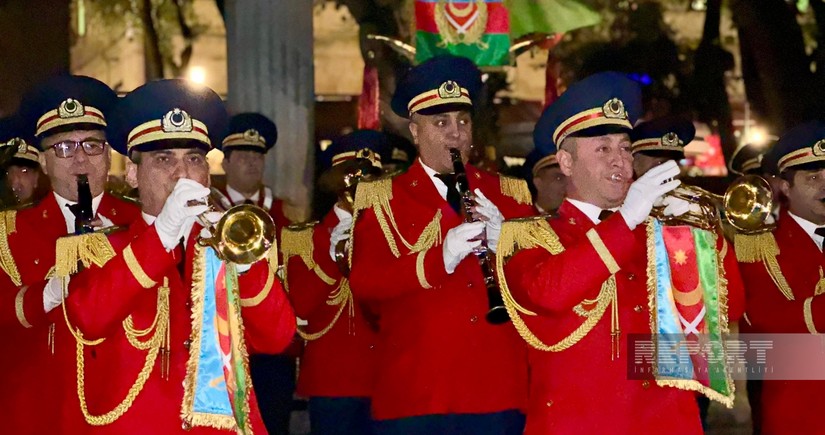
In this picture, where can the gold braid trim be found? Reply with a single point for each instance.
(809, 317)
(531, 233)
(762, 247)
(515, 188)
(298, 241)
(137, 270)
(92, 248)
(257, 299)
(420, 272)
(154, 345)
(722, 287)
(518, 234)
(342, 297)
(18, 307)
(8, 226)
(601, 249)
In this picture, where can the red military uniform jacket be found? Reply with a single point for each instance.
(266, 200)
(437, 354)
(582, 389)
(27, 254)
(788, 406)
(113, 366)
(341, 361)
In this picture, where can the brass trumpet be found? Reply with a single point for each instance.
(747, 203)
(244, 234)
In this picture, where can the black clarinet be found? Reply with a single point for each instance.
(83, 214)
(497, 313)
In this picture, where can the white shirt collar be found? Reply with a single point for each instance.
(809, 227)
(591, 211)
(238, 197)
(68, 216)
(440, 186)
(149, 219)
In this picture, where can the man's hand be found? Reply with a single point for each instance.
(460, 242)
(492, 218)
(677, 206)
(177, 213)
(341, 231)
(646, 190)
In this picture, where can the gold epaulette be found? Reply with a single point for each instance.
(526, 233)
(372, 192)
(8, 225)
(92, 248)
(516, 188)
(297, 240)
(762, 247)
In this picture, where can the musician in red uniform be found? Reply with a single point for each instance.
(659, 140)
(546, 181)
(795, 305)
(338, 365)
(245, 144)
(150, 374)
(67, 116)
(247, 140)
(441, 367)
(586, 282)
(22, 171)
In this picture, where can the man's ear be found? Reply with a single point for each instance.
(414, 132)
(565, 160)
(42, 159)
(131, 174)
(784, 187)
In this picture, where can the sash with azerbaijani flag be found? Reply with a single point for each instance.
(688, 294)
(476, 29)
(217, 385)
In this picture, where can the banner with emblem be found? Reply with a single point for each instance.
(217, 386)
(688, 302)
(476, 29)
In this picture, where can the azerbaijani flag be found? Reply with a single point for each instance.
(476, 29)
(690, 319)
(549, 16)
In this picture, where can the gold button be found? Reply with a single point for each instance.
(637, 308)
(186, 426)
(645, 384)
(372, 346)
(36, 261)
(631, 277)
(474, 319)
(187, 343)
(549, 403)
(469, 284)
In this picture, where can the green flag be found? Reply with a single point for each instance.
(548, 16)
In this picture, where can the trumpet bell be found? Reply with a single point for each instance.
(245, 234)
(747, 203)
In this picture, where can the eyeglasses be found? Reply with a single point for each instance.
(67, 148)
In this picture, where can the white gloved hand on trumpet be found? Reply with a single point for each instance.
(178, 213)
(645, 192)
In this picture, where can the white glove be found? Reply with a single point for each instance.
(341, 230)
(646, 190)
(493, 218)
(677, 206)
(176, 215)
(459, 243)
(53, 293)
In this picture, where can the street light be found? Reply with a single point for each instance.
(197, 74)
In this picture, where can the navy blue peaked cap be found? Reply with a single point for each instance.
(441, 84)
(65, 103)
(802, 147)
(176, 110)
(360, 150)
(600, 104)
(669, 134)
(250, 131)
(17, 142)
